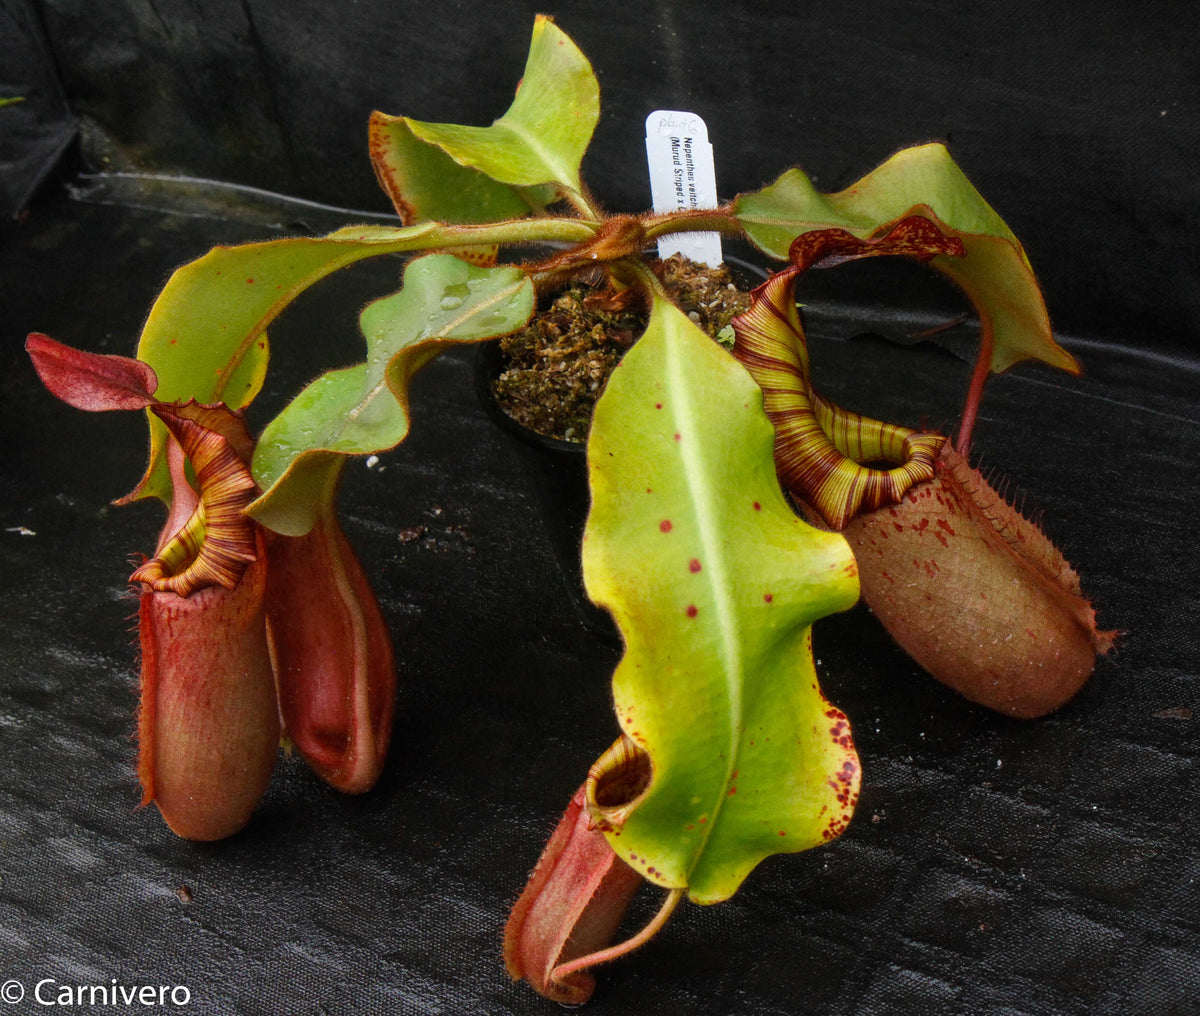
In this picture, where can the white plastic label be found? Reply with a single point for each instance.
(682, 177)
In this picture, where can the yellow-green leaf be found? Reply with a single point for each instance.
(544, 134)
(994, 271)
(425, 183)
(206, 337)
(714, 583)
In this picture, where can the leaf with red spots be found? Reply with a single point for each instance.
(717, 685)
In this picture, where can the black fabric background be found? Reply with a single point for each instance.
(993, 867)
(1078, 121)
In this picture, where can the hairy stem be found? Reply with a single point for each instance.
(637, 271)
(578, 199)
(547, 229)
(721, 220)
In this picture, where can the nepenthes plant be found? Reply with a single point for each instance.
(732, 507)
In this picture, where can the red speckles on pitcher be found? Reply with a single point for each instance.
(1021, 638)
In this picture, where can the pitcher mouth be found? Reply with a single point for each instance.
(217, 542)
(826, 455)
(616, 782)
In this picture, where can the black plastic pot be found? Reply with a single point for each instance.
(558, 471)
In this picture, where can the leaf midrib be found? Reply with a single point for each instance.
(560, 173)
(715, 565)
(382, 384)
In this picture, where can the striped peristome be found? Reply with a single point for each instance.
(215, 545)
(615, 780)
(821, 449)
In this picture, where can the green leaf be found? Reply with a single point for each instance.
(363, 409)
(425, 183)
(994, 273)
(714, 583)
(206, 337)
(544, 134)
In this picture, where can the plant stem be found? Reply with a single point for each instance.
(578, 200)
(547, 229)
(639, 270)
(694, 220)
(550, 229)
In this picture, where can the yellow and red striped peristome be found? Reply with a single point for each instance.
(229, 613)
(971, 589)
(217, 541)
(821, 449)
(208, 723)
